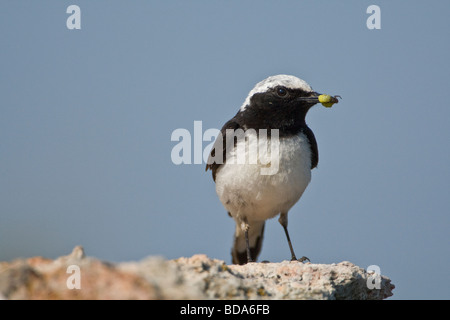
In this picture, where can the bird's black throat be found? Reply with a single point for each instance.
(267, 111)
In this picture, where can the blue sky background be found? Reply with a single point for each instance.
(86, 118)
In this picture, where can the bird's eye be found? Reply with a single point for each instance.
(282, 92)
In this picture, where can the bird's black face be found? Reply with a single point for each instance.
(278, 107)
(282, 101)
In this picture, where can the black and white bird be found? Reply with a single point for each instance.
(279, 102)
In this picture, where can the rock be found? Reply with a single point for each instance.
(197, 277)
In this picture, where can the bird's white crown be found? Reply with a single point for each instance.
(290, 82)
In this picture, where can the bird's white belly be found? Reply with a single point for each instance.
(251, 196)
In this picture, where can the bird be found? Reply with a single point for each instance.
(275, 109)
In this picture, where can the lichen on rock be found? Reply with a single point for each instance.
(196, 277)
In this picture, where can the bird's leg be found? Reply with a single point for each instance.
(249, 257)
(283, 220)
(245, 226)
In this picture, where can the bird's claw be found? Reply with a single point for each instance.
(303, 259)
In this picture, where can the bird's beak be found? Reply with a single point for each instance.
(312, 98)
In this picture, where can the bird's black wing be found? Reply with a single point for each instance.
(313, 143)
(211, 164)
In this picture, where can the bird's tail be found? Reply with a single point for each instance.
(255, 237)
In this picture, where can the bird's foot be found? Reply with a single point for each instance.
(303, 259)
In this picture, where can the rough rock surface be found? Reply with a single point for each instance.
(197, 277)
